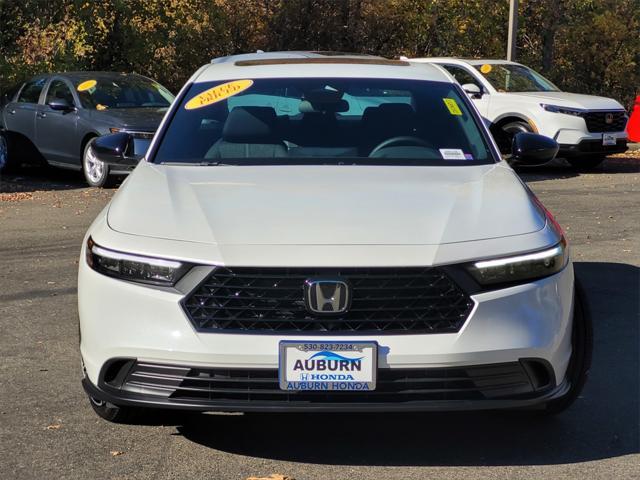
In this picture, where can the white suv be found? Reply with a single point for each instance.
(514, 98)
(311, 232)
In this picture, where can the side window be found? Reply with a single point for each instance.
(461, 75)
(59, 90)
(31, 91)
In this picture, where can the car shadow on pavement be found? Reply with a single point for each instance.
(603, 423)
(34, 178)
(559, 168)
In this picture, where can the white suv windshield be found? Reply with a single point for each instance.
(318, 120)
(505, 77)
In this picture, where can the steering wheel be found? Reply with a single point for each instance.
(402, 141)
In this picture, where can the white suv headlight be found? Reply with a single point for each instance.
(529, 266)
(135, 268)
(576, 112)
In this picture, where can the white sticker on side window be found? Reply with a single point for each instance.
(452, 154)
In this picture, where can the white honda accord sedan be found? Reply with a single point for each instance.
(314, 232)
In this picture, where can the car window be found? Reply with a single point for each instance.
(346, 119)
(506, 77)
(461, 74)
(122, 91)
(58, 89)
(31, 91)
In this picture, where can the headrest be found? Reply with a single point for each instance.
(250, 125)
(388, 112)
(401, 109)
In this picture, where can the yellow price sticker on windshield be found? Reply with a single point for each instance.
(86, 85)
(452, 106)
(218, 93)
(486, 68)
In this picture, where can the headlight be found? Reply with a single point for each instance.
(519, 268)
(135, 268)
(576, 112)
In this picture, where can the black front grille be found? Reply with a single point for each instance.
(245, 386)
(384, 300)
(597, 121)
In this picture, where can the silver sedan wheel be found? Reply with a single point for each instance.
(4, 152)
(93, 168)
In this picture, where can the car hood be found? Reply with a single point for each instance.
(145, 119)
(575, 100)
(323, 205)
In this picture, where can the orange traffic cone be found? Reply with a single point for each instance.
(633, 127)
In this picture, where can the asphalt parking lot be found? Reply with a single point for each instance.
(48, 430)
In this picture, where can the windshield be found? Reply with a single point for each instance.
(322, 120)
(506, 77)
(122, 92)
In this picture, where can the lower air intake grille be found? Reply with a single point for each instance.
(384, 300)
(239, 386)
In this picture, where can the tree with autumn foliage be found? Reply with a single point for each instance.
(586, 46)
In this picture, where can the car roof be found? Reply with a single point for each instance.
(469, 61)
(99, 75)
(314, 64)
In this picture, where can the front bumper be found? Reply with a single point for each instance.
(125, 320)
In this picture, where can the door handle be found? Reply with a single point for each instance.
(41, 115)
(12, 112)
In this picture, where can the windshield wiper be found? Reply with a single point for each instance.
(197, 164)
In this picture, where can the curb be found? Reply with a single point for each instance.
(633, 146)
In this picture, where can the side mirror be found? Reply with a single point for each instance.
(115, 149)
(61, 105)
(472, 90)
(532, 149)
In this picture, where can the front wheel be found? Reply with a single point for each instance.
(504, 137)
(7, 161)
(580, 362)
(96, 172)
(114, 413)
(585, 163)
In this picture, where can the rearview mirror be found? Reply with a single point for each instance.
(532, 149)
(472, 90)
(61, 104)
(115, 149)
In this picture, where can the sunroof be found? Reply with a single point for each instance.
(316, 60)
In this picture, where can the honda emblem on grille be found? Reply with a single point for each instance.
(608, 118)
(326, 295)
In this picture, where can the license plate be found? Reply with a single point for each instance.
(344, 366)
(608, 139)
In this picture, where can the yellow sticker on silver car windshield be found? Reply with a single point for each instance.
(86, 85)
(218, 93)
(486, 68)
(452, 106)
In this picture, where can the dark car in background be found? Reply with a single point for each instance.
(56, 116)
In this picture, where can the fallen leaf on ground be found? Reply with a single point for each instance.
(116, 453)
(273, 476)
(54, 426)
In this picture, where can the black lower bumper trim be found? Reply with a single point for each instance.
(124, 390)
(592, 147)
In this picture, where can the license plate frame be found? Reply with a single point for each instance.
(608, 139)
(337, 380)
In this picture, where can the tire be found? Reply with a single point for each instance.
(96, 173)
(587, 162)
(582, 349)
(8, 161)
(115, 414)
(504, 138)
